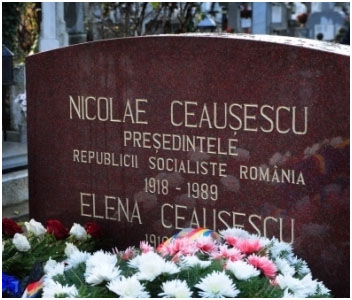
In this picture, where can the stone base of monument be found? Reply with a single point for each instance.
(15, 194)
(14, 188)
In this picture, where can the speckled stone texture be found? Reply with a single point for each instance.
(284, 104)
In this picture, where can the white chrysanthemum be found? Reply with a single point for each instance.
(101, 266)
(278, 248)
(170, 268)
(21, 243)
(53, 268)
(293, 260)
(323, 289)
(300, 288)
(287, 294)
(235, 232)
(303, 269)
(284, 266)
(242, 270)
(35, 227)
(289, 282)
(70, 249)
(192, 261)
(217, 285)
(149, 270)
(175, 289)
(76, 258)
(142, 258)
(50, 264)
(54, 289)
(310, 285)
(150, 265)
(264, 241)
(78, 232)
(128, 287)
(300, 265)
(135, 262)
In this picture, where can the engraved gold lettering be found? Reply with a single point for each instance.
(177, 216)
(136, 214)
(173, 113)
(247, 117)
(128, 112)
(216, 125)
(243, 172)
(252, 223)
(86, 108)
(84, 204)
(84, 156)
(221, 212)
(278, 119)
(140, 111)
(95, 215)
(294, 121)
(123, 208)
(108, 208)
(76, 155)
(99, 108)
(194, 219)
(76, 107)
(205, 117)
(163, 215)
(189, 114)
(234, 214)
(271, 128)
(239, 126)
(292, 231)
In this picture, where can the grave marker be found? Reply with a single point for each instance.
(150, 135)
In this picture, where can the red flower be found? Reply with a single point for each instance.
(93, 229)
(10, 227)
(56, 228)
(264, 264)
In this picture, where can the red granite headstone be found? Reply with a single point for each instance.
(150, 135)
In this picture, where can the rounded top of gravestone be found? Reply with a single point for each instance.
(280, 40)
(285, 40)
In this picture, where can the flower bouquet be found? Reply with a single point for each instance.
(234, 264)
(26, 248)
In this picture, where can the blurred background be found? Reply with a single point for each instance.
(34, 27)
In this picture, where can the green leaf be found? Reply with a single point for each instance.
(155, 5)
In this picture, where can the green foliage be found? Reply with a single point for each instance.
(256, 287)
(155, 5)
(193, 275)
(44, 247)
(11, 16)
(260, 286)
(75, 276)
(20, 23)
